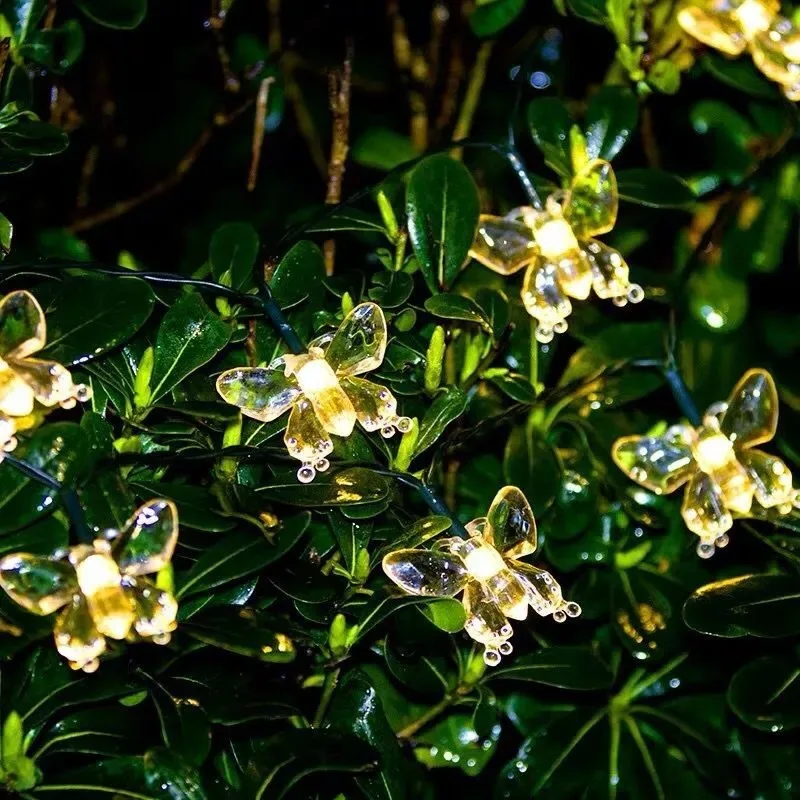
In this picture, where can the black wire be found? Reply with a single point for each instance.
(265, 302)
(69, 498)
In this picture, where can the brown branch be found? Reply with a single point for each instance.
(471, 97)
(216, 22)
(414, 69)
(5, 47)
(123, 207)
(262, 102)
(339, 84)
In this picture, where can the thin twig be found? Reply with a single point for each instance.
(477, 77)
(215, 23)
(123, 207)
(339, 84)
(259, 122)
(5, 47)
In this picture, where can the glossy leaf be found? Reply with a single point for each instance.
(189, 336)
(565, 667)
(549, 123)
(298, 275)
(765, 694)
(654, 188)
(456, 306)
(124, 14)
(610, 121)
(760, 605)
(446, 407)
(442, 207)
(232, 254)
(89, 316)
(347, 487)
(531, 464)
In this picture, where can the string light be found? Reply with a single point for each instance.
(555, 244)
(496, 585)
(322, 390)
(101, 587)
(29, 387)
(734, 26)
(718, 460)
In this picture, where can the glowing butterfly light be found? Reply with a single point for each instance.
(486, 567)
(725, 474)
(563, 260)
(322, 390)
(101, 587)
(733, 26)
(28, 386)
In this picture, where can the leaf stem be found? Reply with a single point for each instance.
(328, 688)
(431, 714)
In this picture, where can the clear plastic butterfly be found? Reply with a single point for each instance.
(563, 260)
(322, 389)
(28, 386)
(101, 587)
(724, 472)
(497, 586)
(733, 26)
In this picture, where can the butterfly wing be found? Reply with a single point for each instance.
(77, 637)
(149, 538)
(591, 206)
(49, 382)
(510, 526)
(545, 300)
(261, 392)
(38, 584)
(156, 610)
(486, 623)
(359, 344)
(376, 406)
(427, 573)
(771, 478)
(752, 414)
(22, 325)
(705, 514)
(544, 592)
(659, 463)
(609, 272)
(717, 29)
(504, 245)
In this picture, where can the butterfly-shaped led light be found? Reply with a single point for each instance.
(556, 246)
(733, 26)
(322, 390)
(486, 567)
(725, 474)
(101, 586)
(28, 386)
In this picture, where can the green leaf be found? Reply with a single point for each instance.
(549, 123)
(123, 14)
(184, 725)
(165, 768)
(11, 162)
(610, 121)
(30, 137)
(241, 554)
(189, 336)
(59, 450)
(232, 253)
(564, 667)
(448, 406)
(299, 275)
(346, 487)
(654, 188)
(351, 536)
(454, 742)
(357, 709)
(456, 306)
(489, 17)
(12, 746)
(276, 765)
(99, 730)
(243, 631)
(22, 17)
(57, 48)
(120, 778)
(88, 316)
(443, 208)
(382, 148)
(531, 464)
(716, 300)
(197, 508)
(6, 233)
(765, 694)
(446, 613)
(759, 605)
(593, 11)
(740, 73)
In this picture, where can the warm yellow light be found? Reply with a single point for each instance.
(723, 471)
(323, 390)
(484, 562)
(16, 397)
(555, 239)
(100, 581)
(754, 16)
(712, 452)
(496, 584)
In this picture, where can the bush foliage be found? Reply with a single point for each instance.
(207, 141)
